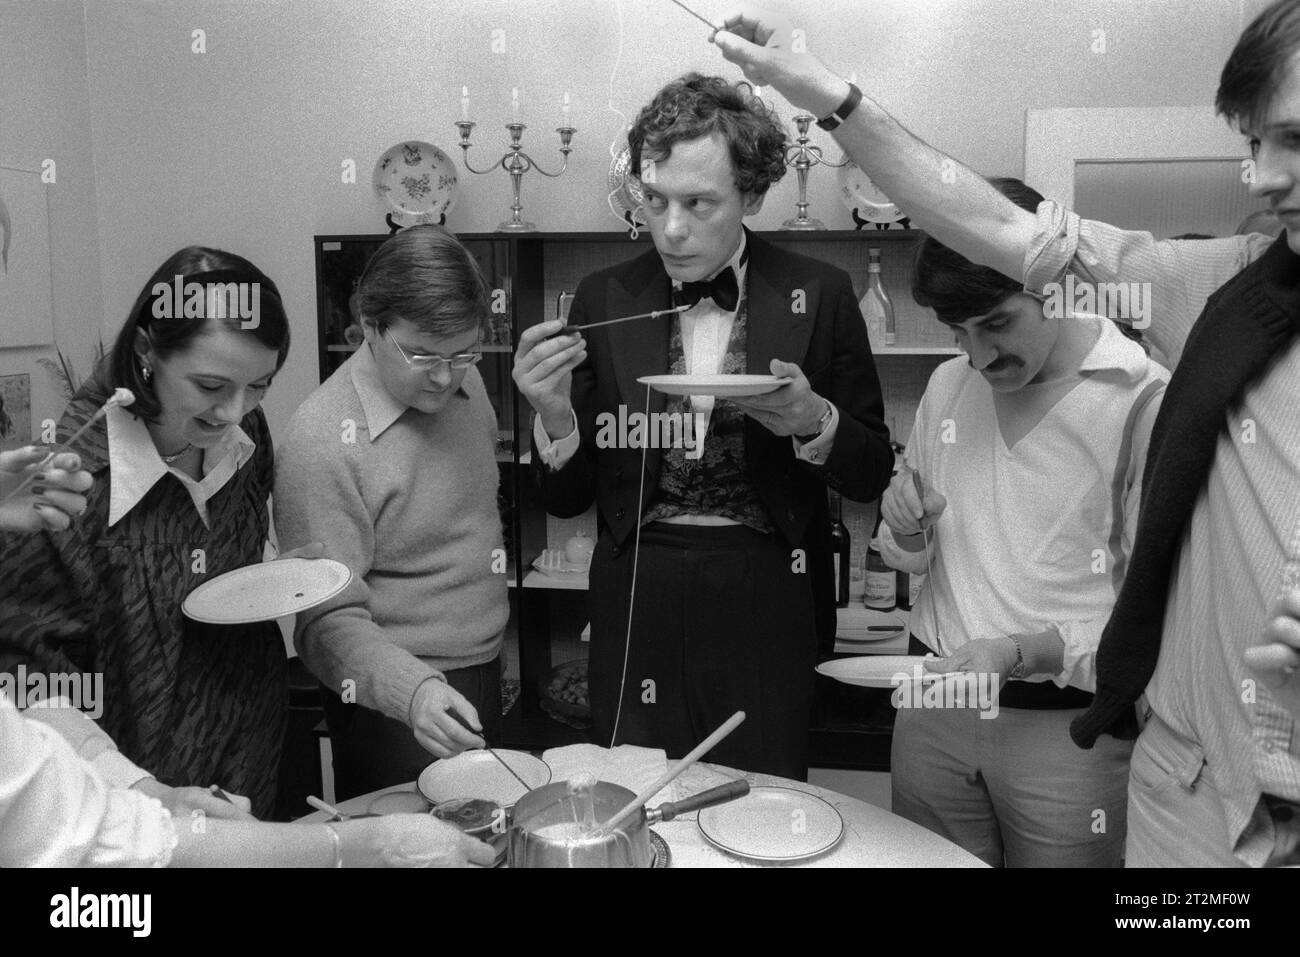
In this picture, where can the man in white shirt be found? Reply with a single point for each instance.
(1030, 453)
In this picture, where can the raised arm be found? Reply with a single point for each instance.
(946, 199)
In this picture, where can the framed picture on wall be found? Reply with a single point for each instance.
(15, 410)
(26, 295)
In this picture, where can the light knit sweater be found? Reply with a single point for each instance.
(409, 502)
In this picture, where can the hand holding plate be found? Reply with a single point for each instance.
(793, 409)
(994, 656)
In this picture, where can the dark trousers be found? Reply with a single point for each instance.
(723, 621)
(373, 751)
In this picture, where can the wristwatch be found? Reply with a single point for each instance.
(822, 425)
(843, 110)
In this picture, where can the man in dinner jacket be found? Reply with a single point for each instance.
(729, 571)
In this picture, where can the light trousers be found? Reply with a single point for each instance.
(1013, 790)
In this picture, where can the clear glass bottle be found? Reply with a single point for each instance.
(881, 586)
(877, 307)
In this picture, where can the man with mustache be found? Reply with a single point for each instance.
(1208, 621)
(1030, 452)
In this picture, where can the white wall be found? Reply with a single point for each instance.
(45, 114)
(242, 146)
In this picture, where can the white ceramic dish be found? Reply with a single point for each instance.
(773, 824)
(266, 591)
(417, 180)
(721, 386)
(476, 774)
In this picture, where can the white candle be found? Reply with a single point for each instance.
(564, 110)
(464, 103)
(514, 102)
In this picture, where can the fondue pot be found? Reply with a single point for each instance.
(550, 825)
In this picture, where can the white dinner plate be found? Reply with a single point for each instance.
(476, 774)
(773, 824)
(722, 386)
(875, 671)
(266, 591)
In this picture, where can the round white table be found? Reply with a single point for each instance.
(873, 837)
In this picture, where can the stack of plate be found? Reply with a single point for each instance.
(858, 624)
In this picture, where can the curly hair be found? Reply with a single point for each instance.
(694, 106)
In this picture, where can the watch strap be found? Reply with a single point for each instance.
(822, 425)
(842, 111)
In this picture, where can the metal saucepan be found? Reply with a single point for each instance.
(546, 829)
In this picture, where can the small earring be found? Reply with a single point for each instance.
(146, 373)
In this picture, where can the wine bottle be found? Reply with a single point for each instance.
(840, 549)
(880, 587)
(877, 307)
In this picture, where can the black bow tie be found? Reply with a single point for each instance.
(723, 289)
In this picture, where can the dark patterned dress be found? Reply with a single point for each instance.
(193, 704)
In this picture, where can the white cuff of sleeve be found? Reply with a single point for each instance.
(555, 454)
(1056, 237)
(819, 449)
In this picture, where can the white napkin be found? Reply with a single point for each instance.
(633, 767)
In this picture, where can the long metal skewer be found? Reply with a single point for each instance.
(465, 724)
(929, 570)
(122, 397)
(712, 26)
(609, 322)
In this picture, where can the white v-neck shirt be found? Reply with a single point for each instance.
(1036, 535)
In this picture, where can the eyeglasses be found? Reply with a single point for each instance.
(433, 363)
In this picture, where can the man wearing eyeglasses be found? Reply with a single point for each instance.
(391, 463)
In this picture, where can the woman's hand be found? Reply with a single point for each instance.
(409, 840)
(183, 802)
(52, 500)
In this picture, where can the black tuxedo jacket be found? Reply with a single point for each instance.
(800, 310)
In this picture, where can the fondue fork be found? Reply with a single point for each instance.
(465, 724)
(567, 330)
(120, 397)
(929, 570)
(711, 25)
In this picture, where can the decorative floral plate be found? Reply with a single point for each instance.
(417, 181)
(858, 192)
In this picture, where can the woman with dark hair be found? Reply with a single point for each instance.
(182, 481)
(392, 464)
